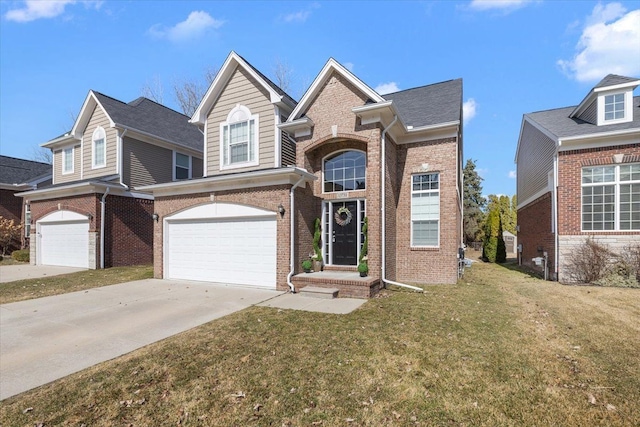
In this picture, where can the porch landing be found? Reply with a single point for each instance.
(348, 283)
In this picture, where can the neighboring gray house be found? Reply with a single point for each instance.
(578, 172)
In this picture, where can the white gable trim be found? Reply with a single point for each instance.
(85, 115)
(219, 83)
(538, 127)
(331, 66)
(219, 210)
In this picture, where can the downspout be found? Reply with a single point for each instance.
(382, 211)
(555, 212)
(291, 233)
(103, 204)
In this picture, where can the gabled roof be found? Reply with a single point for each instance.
(318, 83)
(15, 171)
(609, 82)
(277, 95)
(140, 115)
(429, 105)
(559, 123)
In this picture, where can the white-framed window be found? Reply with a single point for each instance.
(99, 148)
(67, 160)
(239, 139)
(425, 210)
(181, 166)
(344, 171)
(27, 220)
(611, 198)
(614, 107)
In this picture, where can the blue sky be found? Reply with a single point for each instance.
(515, 56)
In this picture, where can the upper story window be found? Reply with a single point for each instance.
(99, 148)
(425, 210)
(611, 197)
(345, 171)
(239, 142)
(181, 166)
(614, 107)
(67, 160)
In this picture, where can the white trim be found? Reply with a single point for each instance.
(81, 158)
(532, 198)
(53, 166)
(252, 146)
(331, 66)
(79, 188)
(603, 135)
(64, 163)
(278, 148)
(62, 215)
(90, 102)
(205, 161)
(628, 85)
(326, 224)
(119, 151)
(94, 138)
(219, 83)
(252, 179)
(175, 165)
(627, 102)
(300, 127)
(220, 210)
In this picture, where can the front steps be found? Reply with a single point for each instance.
(348, 284)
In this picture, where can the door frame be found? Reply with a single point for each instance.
(327, 227)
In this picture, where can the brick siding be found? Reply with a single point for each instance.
(535, 233)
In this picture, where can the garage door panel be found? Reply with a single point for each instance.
(64, 244)
(227, 251)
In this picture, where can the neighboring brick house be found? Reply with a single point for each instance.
(578, 174)
(273, 166)
(112, 148)
(18, 175)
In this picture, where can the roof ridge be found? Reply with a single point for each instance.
(423, 86)
(144, 98)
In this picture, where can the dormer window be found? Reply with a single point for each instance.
(239, 138)
(614, 107)
(99, 148)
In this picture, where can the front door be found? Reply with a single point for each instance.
(345, 233)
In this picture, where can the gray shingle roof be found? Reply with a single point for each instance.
(20, 171)
(613, 79)
(561, 125)
(274, 86)
(429, 105)
(155, 119)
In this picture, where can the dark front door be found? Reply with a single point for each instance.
(345, 233)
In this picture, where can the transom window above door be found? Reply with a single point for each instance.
(345, 171)
(239, 138)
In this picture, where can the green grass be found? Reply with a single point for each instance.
(36, 288)
(500, 348)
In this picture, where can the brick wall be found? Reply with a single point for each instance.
(129, 231)
(428, 265)
(267, 198)
(535, 234)
(10, 205)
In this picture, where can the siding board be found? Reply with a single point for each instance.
(145, 164)
(241, 89)
(99, 118)
(535, 161)
(57, 166)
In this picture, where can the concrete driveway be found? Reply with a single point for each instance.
(9, 273)
(44, 339)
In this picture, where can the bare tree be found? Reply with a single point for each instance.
(153, 90)
(282, 73)
(41, 154)
(189, 93)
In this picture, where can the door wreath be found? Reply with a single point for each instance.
(343, 216)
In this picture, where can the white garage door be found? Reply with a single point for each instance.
(64, 242)
(225, 250)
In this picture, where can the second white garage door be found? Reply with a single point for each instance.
(225, 250)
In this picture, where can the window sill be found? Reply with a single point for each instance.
(424, 248)
(240, 165)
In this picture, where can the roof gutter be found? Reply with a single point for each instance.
(291, 233)
(382, 212)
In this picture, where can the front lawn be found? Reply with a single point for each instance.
(42, 287)
(500, 348)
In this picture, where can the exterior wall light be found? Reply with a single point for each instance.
(155, 217)
(281, 210)
(90, 217)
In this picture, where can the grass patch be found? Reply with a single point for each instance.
(21, 290)
(499, 348)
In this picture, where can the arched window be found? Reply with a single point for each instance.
(99, 148)
(239, 138)
(345, 171)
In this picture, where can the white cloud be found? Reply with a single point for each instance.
(512, 174)
(196, 24)
(483, 172)
(610, 43)
(36, 9)
(469, 110)
(349, 66)
(503, 5)
(384, 88)
(300, 16)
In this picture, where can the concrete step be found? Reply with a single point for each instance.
(317, 292)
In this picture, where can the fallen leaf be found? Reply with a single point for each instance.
(27, 410)
(610, 407)
(238, 395)
(245, 358)
(592, 399)
(349, 420)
